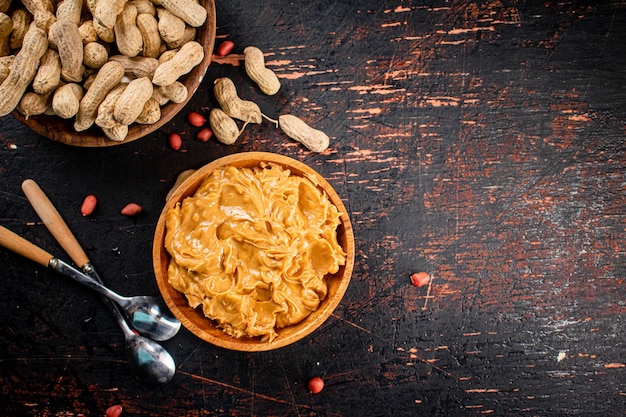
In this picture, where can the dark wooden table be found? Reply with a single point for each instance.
(483, 143)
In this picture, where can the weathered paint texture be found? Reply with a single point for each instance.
(481, 142)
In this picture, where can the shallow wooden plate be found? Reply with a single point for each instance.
(194, 319)
(61, 130)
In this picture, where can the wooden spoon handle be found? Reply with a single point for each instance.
(23, 247)
(54, 222)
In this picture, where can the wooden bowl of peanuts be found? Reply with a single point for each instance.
(253, 251)
(113, 71)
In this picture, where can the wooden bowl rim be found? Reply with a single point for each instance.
(211, 333)
(61, 130)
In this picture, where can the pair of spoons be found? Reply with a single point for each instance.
(149, 361)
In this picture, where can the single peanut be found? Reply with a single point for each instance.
(297, 129)
(114, 411)
(419, 279)
(131, 209)
(254, 63)
(204, 135)
(224, 127)
(196, 119)
(226, 95)
(48, 74)
(175, 141)
(127, 35)
(189, 55)
(89, 205)
(107, 77)
(69, 44)
(33, 104)
(171, 27)
(190, 11)
(315, 385)
(132, 100)
(225, 48)
(23, 69)
(149, 28)
(95, 55)
(66, 100)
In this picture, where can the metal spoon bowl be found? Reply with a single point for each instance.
(149, 361)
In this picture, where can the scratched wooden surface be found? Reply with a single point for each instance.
(482, 142)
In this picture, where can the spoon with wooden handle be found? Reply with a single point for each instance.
(147, 315)
(149, 361)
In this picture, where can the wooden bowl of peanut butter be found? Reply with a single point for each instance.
(253, 251)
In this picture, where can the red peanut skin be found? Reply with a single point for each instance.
(114, 411)
(419, 279)
(196, 119)
(131, 209)
(89, 205)
(225, 48)
(204, 135)
(315, 385)
(175, 141)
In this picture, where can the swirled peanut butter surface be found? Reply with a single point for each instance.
(252, 247)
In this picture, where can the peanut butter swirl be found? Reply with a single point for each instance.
(252, 247)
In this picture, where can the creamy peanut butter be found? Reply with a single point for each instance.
(252, 247)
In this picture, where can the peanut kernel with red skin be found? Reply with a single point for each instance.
(114, 411)
(419, 279)
(315, 385)
(204, 135)
(196, 119)
(89, 205)
(175, 141)
(131, 209)
(225, 48)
